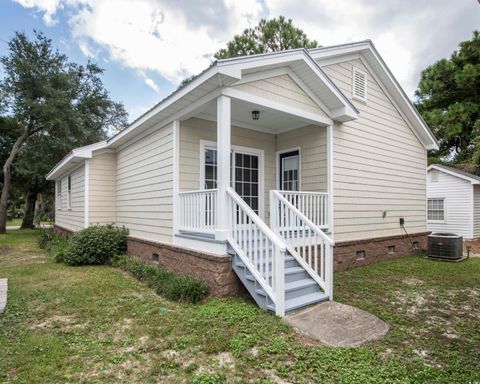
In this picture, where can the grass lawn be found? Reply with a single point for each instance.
(14, 222)
(97, 324)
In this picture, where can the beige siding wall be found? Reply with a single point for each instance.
(281, 89)
(102, 189)
(312, 141)
(194, 130)
(144, 188)
(379, 165)
(72, 218)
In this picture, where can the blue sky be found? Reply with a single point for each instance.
(147, 46)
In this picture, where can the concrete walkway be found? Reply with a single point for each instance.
(338, 325)
(3, 294)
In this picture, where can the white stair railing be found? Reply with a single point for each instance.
(198, 211)
(306, 242)
(314, 205)
(261, 250)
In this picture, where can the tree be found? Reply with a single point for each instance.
(449, 100)
(49, 97)
(268, 36)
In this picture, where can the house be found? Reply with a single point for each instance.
(453, 201)
(265, 172)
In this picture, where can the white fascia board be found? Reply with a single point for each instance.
(78, 153)
(367, 49)
(447, 171)
(174, 97)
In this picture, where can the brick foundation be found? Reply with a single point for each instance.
(215, 271)
(64, 232)
(376, 249)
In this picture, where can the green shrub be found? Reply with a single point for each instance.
(165, 283)
(46, 235)
(207, 378)
(96, 245)
(53, 243)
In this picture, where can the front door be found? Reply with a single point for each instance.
(246, 173)
(289, 174)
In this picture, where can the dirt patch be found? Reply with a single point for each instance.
(57, 321)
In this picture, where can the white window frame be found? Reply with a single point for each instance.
(444, 210)
(277, 170)
(58, 194)
(354, 95)
(206, 144)
(69, 191)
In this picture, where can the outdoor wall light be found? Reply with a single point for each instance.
(255, 115)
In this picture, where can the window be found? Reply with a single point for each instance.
(69, 192)
(359, 85)
(210, 168)
(436, 210)
(434, 176)
(391, 249)
(290, 171)
(59, 194)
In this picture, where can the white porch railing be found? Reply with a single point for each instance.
(314, 205)
(306, 242)
(261, 250)
(198, 211)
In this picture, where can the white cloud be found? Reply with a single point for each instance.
(176, 38)
(48, 7)
(151, 83)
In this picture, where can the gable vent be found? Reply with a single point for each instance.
(434, 176)
(359, 90)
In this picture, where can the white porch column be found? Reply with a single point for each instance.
(223, 165)
(176, 167)
(330, 178)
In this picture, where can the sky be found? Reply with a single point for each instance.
(148, 46)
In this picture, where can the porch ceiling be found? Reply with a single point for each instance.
(271, 120)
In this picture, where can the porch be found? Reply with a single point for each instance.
(258, 189)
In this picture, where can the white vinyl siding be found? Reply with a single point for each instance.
(458, 195)
(102, 189)
(144, 188)
(194, 130)
(476, 211)
(72, 218)
(379, 165)
(312, 141)
(281, 89)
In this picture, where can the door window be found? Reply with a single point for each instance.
(290, 171)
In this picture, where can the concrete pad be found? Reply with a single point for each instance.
(3, 294)
(338, 325)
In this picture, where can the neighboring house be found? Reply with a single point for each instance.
(277, 168)
(453, 201)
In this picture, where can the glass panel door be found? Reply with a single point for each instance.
(245, 175)
(246, 178)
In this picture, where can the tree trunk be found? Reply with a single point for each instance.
(29, 214)
(7, 178)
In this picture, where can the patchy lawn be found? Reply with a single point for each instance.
(97, 324)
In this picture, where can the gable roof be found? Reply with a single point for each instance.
(367, 51)
(460, 173)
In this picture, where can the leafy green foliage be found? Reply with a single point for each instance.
(96, 244)
(165, 283)
(277, 34)
(268, 36)
(51, 105)
(207, 378)
(54, 244)
(449, 100)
